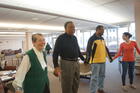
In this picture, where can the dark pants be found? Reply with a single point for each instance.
(46, 89)
(48, 51)
(128, 66)
(70, 76)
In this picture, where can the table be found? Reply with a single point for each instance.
(6, 76)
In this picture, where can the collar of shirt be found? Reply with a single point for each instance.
(69, 35)
(40, 57)
(98, 37)
(36, 51)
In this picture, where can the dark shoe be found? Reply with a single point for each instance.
(101, 91)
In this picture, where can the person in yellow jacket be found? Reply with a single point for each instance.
(96, 56)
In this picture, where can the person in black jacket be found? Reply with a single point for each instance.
(48, 48)
(67, 48)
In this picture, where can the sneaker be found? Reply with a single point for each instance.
(133, 86)
(124, 88)
(100, 91)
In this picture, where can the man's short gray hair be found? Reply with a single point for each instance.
(34, 36)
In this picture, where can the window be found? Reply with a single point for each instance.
(132, 31)
(86, 38)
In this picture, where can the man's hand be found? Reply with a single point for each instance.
(85, 62)
(111, 60)
(18, 91)
(57, 71)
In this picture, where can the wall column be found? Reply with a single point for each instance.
(137, 31)
(27, 42)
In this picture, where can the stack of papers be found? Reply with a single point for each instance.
(5, 78)
(5, 73)
(2, 73)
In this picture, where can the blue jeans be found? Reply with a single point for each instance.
(97, 77)
(127, 66)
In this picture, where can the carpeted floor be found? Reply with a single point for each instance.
(112, 81)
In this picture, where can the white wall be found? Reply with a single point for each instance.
(10, 44)
(137, 21)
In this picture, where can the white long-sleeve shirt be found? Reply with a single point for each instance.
(25, 66)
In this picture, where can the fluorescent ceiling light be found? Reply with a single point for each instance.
(30, 26)
(12, 32)
(82, 9)
(12, 35)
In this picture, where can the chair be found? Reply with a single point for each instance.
(4, 66)
(10, 68)
(19, 57)
(2, 57)
(85, 70)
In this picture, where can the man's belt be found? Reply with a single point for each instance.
(70, 59)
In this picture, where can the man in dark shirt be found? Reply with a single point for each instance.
(67, 48)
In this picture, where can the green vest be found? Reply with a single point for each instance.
(36, 77)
